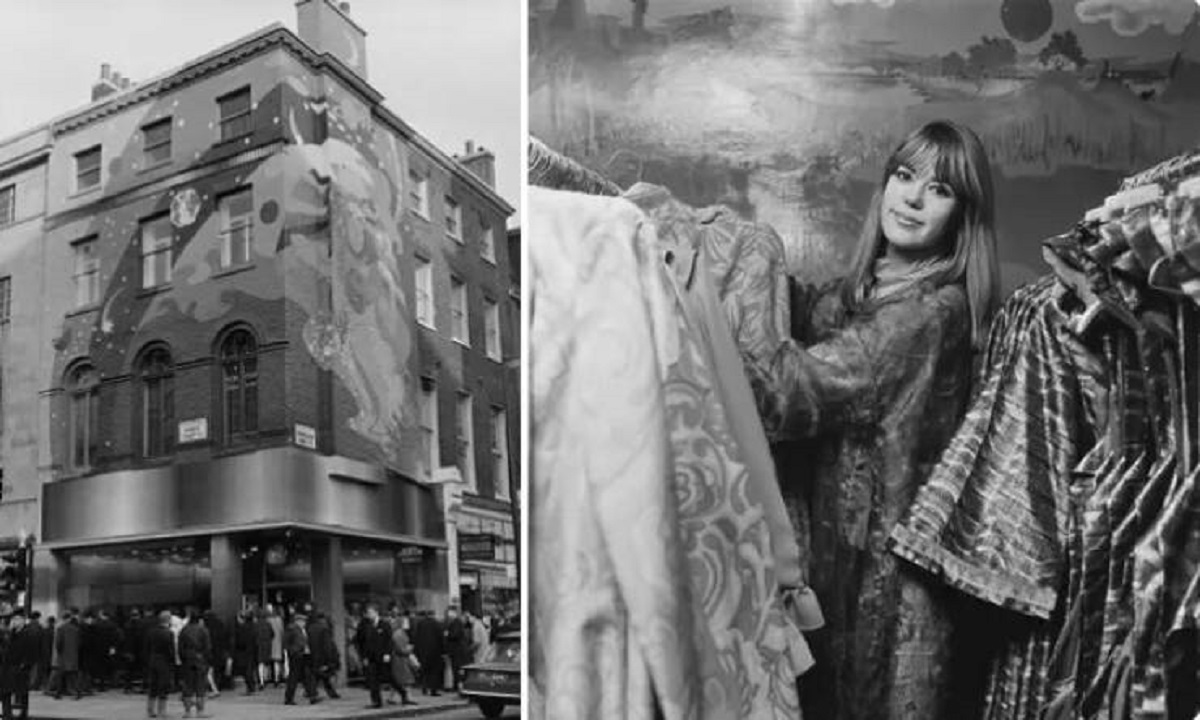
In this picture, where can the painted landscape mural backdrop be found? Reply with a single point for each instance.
(786, 109)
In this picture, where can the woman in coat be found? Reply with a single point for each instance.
(159, 653)
(871, 388)
(266, 638)
(403, 661)
(278, 669)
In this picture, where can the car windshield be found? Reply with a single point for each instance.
(506, 650)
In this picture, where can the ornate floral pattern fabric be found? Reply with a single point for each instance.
(870, 399)
(644, 491)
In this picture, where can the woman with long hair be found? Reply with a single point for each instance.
(868, 392)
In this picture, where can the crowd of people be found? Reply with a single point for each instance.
(197, 655)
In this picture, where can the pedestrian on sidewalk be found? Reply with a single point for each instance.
(326, 659)
(430, 642)
(195, 659)
(458, 644)
(50, 652)
(159, 653)
(17, 661)
(299, 651)
(278, 672)
(67, 645)
(403, 665)
(245, 651)
(374, 642)
(266, 639)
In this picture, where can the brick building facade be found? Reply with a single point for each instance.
(248, 317)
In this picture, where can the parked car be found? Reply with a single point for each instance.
(495, 683)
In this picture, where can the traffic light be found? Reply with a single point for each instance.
(14, 571)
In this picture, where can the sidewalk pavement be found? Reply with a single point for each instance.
(233, 705)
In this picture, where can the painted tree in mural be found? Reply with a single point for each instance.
(1063, 51)
(991, 55)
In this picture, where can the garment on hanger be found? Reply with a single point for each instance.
(655, 573)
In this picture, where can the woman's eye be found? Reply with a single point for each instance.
(904, 174)
(942, 191)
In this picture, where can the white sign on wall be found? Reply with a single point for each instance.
(306, 436)
(193, 430)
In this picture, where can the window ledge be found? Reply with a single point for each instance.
(489, 260)
(156, 166)
(94, 307)
(426, 325)
(419, 214)
(464, 343)
(244, 138)
(234, 270)
(456, 238)
(86, 191)
(152, 291)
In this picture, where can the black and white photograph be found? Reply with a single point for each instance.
(863, 359)
(260, 358)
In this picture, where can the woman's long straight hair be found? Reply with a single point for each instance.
(956, 157)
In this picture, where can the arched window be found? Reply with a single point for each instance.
(82, 420)
(239, 381)
(158, 403)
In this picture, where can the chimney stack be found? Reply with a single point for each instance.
(110, 83)
(327, 28)
(481, 162)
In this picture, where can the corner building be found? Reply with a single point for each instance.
(246, 313)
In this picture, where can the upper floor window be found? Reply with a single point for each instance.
(235, 114)
(418, 192)
(157, 251)
(5, 300)
(424, 284)
(500, 454)
(487, 248)
(156, 142)
(466, 452)
(237, 216)
(158, 403)
(491, 320)
(459, 323)
(82, 419)
(453, 218)
(87, 273)
(239, 381)
(429, 422)
(87, 168)
(8, 204)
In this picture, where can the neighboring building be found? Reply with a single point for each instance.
(247, 312)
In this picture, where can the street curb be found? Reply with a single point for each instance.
(383, 713)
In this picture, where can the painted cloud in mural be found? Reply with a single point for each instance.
(1132, 17)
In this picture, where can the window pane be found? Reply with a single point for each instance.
(8, 196)
(235, 104)
(251, 420)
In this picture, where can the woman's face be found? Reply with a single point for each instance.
(916, 210)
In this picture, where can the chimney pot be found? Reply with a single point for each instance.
(105, 71)
(470, 147)
(344, 7)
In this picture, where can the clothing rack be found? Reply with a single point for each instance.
(551, 169)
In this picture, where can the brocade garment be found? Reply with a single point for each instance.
(655, 574)
(870, 398)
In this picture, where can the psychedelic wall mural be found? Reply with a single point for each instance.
(786, 109)
(325, 271)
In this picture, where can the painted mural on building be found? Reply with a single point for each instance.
(329, 235)
(786, 109)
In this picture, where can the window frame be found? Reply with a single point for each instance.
(243, 384)
(91, 271)
(167, 248)
(227, 228)
(500, 468)
(465, 439)
(425, 296)
(98, 170)
(453, 219)
(149, 149)
(487, 244)
(8, 208)
(418, 192)
(460, 322)
(224, 122)
(5, 300)
(157, 381)
(491, 322)
(429, 419)
(83, 389)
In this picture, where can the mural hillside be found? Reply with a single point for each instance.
(785, 110)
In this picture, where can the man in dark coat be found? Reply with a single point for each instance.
(67, 643)
(429, 641)
(159, 654)
(134, 640)
(108, 648)
(195, 658)
(245, 650)
(373, 638)
(325, 656)
(458, 643)
(19, 651)
(220, 645)
(299, 649)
